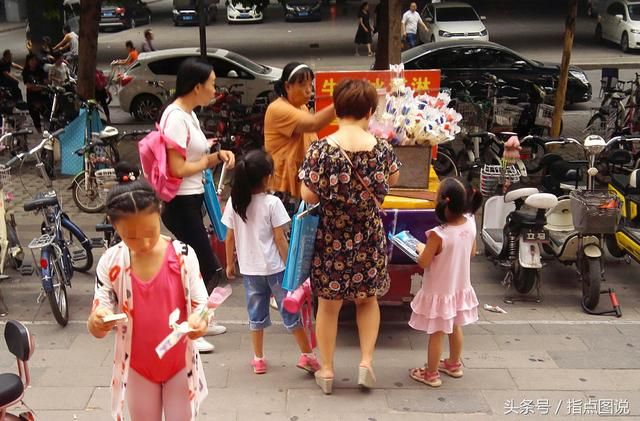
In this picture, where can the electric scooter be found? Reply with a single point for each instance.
(626, 240)
(578, 223)
(512, 233)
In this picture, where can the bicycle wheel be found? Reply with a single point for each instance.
(16, 254)
(444, 166)
(81, 253)
(531, 154)
(85, 194)
(57, 295)
(598, 124)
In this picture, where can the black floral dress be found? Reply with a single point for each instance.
(350, 254)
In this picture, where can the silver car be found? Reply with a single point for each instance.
(140, 97)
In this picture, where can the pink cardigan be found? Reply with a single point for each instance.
(113, 291)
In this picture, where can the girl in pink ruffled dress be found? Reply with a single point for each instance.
(447, 301)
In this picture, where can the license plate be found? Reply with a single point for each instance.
(525, 154)
(188, 18)
(245, 15)
(304, 13)
(532, 236)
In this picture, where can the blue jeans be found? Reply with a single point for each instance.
(412, 40)
(258, 291)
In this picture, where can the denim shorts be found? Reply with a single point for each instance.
(258, 290)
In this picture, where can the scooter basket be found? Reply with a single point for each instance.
(595, 211)
(494, 176)
(105, 179)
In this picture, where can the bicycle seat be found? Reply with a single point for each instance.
(108, 132)
(104, 228)
(41, 201)
(514, 195)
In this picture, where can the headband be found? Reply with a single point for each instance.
(295, 70)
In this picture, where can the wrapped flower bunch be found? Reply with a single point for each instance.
(406, 119)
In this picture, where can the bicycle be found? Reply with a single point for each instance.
(100, 152)
(64, 248)
(615, 116)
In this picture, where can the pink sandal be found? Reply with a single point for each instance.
(420, 374)
(451, 369)
(259, 365)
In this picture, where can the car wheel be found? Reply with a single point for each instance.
(146, 107)
(599, 33)
(624, 43)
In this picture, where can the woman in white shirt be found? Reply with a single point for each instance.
(195, 86)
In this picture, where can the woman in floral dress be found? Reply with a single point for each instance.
(350, 260)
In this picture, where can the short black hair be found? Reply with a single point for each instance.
(132, 194)
(301, 75)
(128, 44)
(66, 28)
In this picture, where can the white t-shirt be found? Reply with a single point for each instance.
(256, 247)
(59, 74)
(74, 45)
(410, 20)
(184, 129)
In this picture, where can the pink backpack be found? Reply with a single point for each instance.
(153, 158)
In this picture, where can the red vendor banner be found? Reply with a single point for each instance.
(421, 81)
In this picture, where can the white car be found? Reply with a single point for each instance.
(143, 100)
(452, 21)
(238, 12)
(620, 23)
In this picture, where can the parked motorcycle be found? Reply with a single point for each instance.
(512, 233)
(577, 225)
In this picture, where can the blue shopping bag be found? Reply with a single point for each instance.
(301, 246)
(212, 204)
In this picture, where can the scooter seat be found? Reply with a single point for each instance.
(11, 388)
(541, 201)
(108, 132)
(514, 195)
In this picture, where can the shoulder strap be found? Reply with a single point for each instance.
(358, 176)
(164, 126)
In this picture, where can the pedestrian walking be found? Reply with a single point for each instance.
(188, 157)
(256, 221)
(363, 34)
(411, 20)
(447, 301)
(349, 173)
(289, 130)
(146, 277)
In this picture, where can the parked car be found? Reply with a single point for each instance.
(302, 9)
(185, 12)
(469, 60)
(452, 20)
(237, 11)
(620, 23)
(143, 100)
(124, 14)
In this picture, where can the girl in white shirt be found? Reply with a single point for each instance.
(256, 223)
(195, 86)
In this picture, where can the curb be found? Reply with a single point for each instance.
(12, 28)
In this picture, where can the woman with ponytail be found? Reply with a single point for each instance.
(256, 223)
(447, 301)
(289, 128)
(155, 275)
(188, 157)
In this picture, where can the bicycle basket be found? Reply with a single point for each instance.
(100, 158)
(595, 211)
(506, 115)
(105, 179)
(492, 177)
(544, 115)
(473, 118)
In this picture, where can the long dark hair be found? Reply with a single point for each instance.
(458, 198)
(299, 76)
(131, 195)
(191, 73)
(248, 176)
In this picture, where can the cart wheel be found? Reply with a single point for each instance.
(591, 275)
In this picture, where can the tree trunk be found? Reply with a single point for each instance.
(389, 34)
(561, 94)
(88, 54)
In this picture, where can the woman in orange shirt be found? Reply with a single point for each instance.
(289, 128)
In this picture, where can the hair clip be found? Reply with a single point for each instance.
(132, 176)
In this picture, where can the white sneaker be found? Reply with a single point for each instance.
(203, 346)
(215, 329)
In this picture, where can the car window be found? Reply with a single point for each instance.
(454, 58)
(245, 62)
(222, 68)
(634, 11)
(616, 9)
(167, 66)
(496, 59)
(456, 14)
